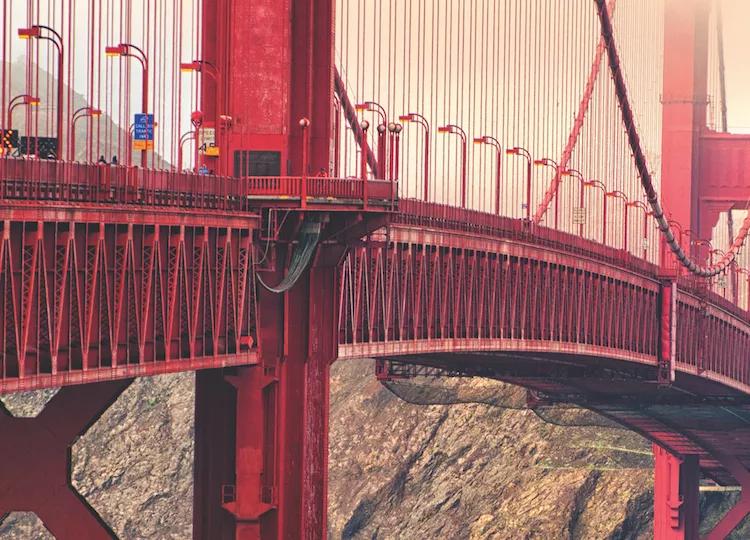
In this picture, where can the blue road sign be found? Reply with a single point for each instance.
(143, 127)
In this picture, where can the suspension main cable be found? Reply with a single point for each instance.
(639, 157)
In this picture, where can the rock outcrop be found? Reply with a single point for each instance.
(397, 470)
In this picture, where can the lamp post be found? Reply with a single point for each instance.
(722, 283)
(547, 162)
(620, 195)
(200, 66)
(381, 128)
(456, 130)
(422, 121)
(746, 272)
(716, 251)
(519, 151)
(600, 185)
(22, 99)
(492, 141)
(699, 243)
(203, 66)
(680, 231)
(646, 213)
(77, 115)
(394, 129)
(304, 123)
(128, 50)
(185, 137)
(581, 181)
(129, 151)
(51, 35)
(364, 126)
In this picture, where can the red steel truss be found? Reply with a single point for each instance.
(86, 299)
(497, 285)
(109, 273)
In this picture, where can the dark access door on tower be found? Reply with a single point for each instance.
(257, 163)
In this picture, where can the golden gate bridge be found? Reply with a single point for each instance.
(522, 190)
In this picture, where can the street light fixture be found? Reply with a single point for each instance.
(519, 151)
(547, 162)
(721, 278)
(492, 141)
(456, 130)
(646, 213)
(581, 181)
(78, 114)
(131, 51)
(364, 125)
(620, 195)
(746, 272)
(204, 66)
(422, 121)
(185, 137)
(304, 124)
(395, 130)
(45, 33)
(199, 66)
(718, 252)
(382, 127)
(599, 184)
(680, 230)
(22, 99)
(698, 243)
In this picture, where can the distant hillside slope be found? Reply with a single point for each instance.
(45, 115)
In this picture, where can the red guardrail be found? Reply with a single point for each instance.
(423, 214)
(46, 180)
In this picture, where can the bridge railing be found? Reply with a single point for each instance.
(72, 182)
(424, 214)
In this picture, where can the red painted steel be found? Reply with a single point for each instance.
(442, 280)
(40, 180)
(741, 509)
(83, 301)
(280, 73)
(448, 279)
(724, 177)
(676, 508)
(111, 272)
(684, 98)
(266, 442)
(667, 333)
(35, 472)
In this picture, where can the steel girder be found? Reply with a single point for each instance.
(85, 301)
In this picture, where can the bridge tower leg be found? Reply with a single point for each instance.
(35, 461)
(676, 481)
(261, 455)
(274, 60)
(684, 100)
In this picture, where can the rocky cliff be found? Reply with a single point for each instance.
(397, 470)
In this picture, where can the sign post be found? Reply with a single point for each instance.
(143, 135)
(579, 215)
(207, 142)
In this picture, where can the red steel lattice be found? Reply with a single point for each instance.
(85, 301)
